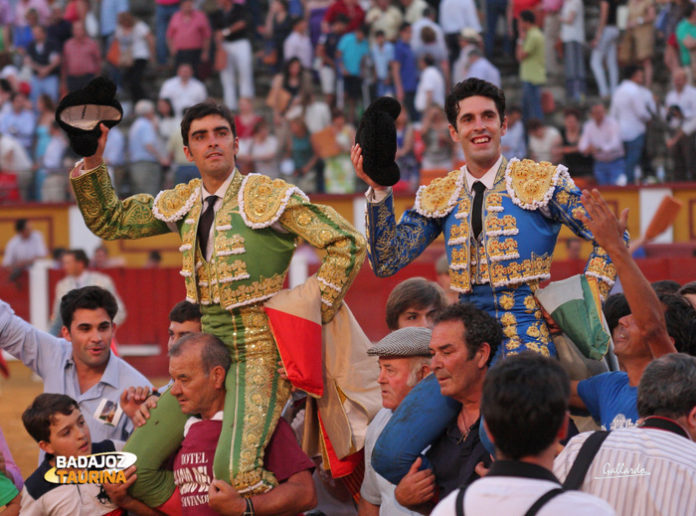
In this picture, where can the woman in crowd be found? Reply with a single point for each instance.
(338, 170)
(287, 88)
(167, 122)
(579, 165)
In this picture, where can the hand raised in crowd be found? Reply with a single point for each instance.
(607, 230)
(132, 398)
(417, 487)
(357, 159)
(225, 499)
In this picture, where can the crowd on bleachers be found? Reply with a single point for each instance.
(299, 74)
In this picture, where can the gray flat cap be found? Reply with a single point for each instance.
(406, 342)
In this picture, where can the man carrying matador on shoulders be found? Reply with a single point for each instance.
(238, 235)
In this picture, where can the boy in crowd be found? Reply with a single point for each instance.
(58, 426)
(414, 302)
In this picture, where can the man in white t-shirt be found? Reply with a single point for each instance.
(525, 410)
(431, 85)
(24, 248)
(404, 360)
(183, 90)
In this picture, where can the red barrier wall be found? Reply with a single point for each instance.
(149, 294)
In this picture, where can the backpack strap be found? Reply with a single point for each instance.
(584, 459)
(459, 501)
(543, 500)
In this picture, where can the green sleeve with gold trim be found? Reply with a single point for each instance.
(343, 247)
(107, 216)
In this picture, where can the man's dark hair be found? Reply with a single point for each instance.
(37, 418)
(341, 18)
(534, 124)
(688, 9)
(404, 26)
(615, 307)
(213, 353)
(79, 256)
(688, 288)
(665, 286)
(471, 88)
(21, 225)
(201, 110)
(573, 111)
(527, 16)
(185, 311)
(680, 318)
(296, 21)
(631, 70)
(58, 253)
(479, 327)
(428, 59)
(88, 298)
(418, 293)
(668, 387)
(379, 33)
(524, 403)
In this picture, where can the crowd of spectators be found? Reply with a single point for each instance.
(323, 61)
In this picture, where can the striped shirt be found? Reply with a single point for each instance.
(639, 471)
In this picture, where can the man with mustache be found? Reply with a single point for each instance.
(238, 235)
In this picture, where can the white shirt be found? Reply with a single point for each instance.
(299, 46)
(686, 100)
(183, 95)
(639, 471)
(220, 192)
(488, 179)
(542, 149)
(89, 278)
(482, 68)
(513, 496)
(414, 12)
(13, 155)
(605, 139)
(456, 15)
(20, 249)
(375, 488)
(631, 108)
(430, 80)
(574, 31)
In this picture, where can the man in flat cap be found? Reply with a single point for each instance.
(404, 360)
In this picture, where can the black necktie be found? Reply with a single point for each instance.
(476, 219)
(204, 224)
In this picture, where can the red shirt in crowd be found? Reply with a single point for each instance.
(193, 465)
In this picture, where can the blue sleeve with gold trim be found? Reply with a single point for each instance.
(391, 246)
